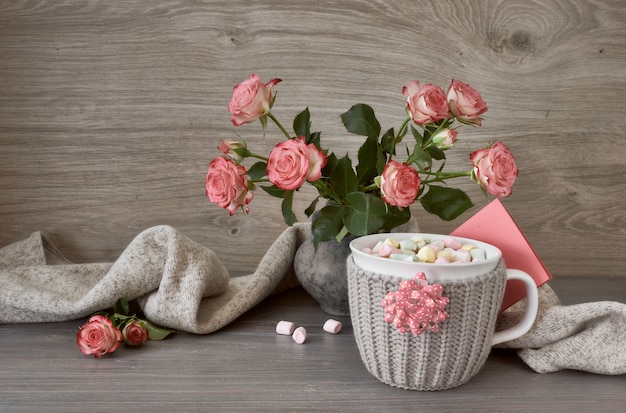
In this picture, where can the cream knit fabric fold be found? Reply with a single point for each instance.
(178, 283)
(183, 285)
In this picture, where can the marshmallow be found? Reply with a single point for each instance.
(453, 243)
(332, 326)
(461, 256)
(392, 242)
(387, 249)
(419, 241)
(376, 248)
(478, 254)
(285, 328)
(426, 254)
(442, 260)
(446, 254)
(408, 244)
(299, 335)
(468, 247)
(435, 246)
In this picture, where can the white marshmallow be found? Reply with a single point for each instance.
(285, 328)
(299, 335)
(332, 326)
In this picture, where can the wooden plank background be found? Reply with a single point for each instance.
(110, 111)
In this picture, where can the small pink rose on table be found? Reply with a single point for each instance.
(227, 185)
(135, 333)
(495, 169)
(98, 336)
(251, 100)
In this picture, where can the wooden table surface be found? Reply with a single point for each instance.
(247, 367)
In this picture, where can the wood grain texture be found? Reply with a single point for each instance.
(111, 111)
(247, 367)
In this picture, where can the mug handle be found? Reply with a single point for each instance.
(532, 305)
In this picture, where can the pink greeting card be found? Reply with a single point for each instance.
(493, 224)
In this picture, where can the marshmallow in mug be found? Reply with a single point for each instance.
(418, 249)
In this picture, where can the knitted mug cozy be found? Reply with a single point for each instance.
(432, 360)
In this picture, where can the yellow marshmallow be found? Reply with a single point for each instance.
(426, 254)
(468, 247)
(445, 254)
(392, 242)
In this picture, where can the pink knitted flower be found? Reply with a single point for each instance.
(416, 306)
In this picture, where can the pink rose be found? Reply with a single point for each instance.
(227, 185)
(495, 169)
(445, 139)
(98, 336)
(466, 103)
(251, 99)
(233, 149)
(293, 161)
(399, 184)
(317, 161)
(426, 103)
(135, 333)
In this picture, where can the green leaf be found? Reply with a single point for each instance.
(420, 157)
(419, 139)
(360, 120)
(343, 177)
(257, 171)
(243, 152)
(302, 124)
(366, 214)
(121, 306)
(311, 208)
(273, 190)
(447, 203)
(263, 120)
(328, 223)
(331, 163)
(120, 320)
(381, 161)
(342, 234)
(436, 153)
(156, 333)
(286, 206)
(387, 143)
(366, 170)
(314, 138)
(395, 217)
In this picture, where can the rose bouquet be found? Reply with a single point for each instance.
(376, 194)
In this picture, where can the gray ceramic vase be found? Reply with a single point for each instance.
(322, 273)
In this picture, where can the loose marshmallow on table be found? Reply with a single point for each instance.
(299, 335)
(332, 326)
(285, 328)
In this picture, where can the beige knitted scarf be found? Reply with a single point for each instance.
(184, 286)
